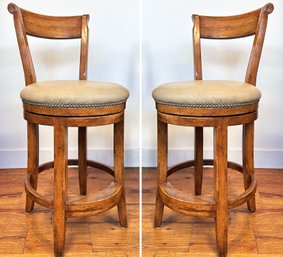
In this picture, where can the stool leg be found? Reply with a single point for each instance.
(60, 187)
(33, 154)
(248, 160)
(221, 190)
(162, 156)
(198, 169)
(82, 144)
(119, 169)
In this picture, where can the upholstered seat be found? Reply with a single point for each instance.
(74, 94)
(207, 94)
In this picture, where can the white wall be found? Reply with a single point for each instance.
(113, 56)
(167, 56)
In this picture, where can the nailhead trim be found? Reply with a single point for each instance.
(208, 105)
(47, 105)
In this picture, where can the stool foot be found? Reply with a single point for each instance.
(58, 250)
(159, 208)
(29, 204)
(222, 239)
(122, 211)
(224, 254)
(251, 205)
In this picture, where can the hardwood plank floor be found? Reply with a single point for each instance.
(259, 234)
(23, 235)
(31, 235)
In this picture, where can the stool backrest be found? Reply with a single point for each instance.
(51, 27)
(228, 27)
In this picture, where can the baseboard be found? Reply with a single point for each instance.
(264, 158)
(18, 158)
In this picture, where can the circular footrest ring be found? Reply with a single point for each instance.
(81, 205)
(197, 205)
(184, 203)
(74, 162)
(94, 203)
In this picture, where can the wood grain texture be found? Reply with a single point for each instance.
(229, 27)
(60, 191)
(37, 25)
(248, 160)
(82, 158)
(198, 171)
(118, 145)
(221, 188)
(33, 159)
(162, 153)
(258, 235)
(32, 235)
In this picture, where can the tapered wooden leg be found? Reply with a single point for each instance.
(60, 187)
(119, 169)
(82, 144)
(221, 189)
(33, 155)
(198, 169)
(162, 152)
(248, 160)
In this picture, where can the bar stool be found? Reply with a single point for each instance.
(218, 104)
(64, 104)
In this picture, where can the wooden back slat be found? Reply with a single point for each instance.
(51, 27)
(229, 27)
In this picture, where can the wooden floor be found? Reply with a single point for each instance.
(31, 235)
(259, 234)
(24, 234)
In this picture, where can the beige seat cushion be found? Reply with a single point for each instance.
(74, 94)
(207, 94)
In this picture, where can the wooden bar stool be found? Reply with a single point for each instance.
(64, 104)
(218, 104)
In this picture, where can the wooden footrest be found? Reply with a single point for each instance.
(94, 203)
(206, 162)
(245, 196)
(186, 203)
(80, 205)
(74, 162)
(38, 198)
(190, 204)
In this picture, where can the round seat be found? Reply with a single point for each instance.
(207, 94)
(74, 94)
